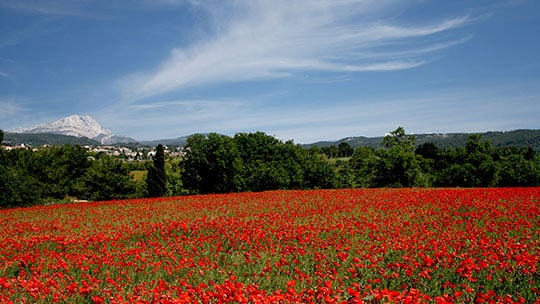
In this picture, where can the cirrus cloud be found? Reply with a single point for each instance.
(254, 40)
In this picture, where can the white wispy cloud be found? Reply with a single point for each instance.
(188, 105)
(265, 39)
(443, 110)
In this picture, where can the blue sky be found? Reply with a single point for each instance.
(305, 70)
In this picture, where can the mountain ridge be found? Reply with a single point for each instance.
(46, 139)
(78, 126)
(83, 129)
(499, 139)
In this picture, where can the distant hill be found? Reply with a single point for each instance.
(180, 141)
(41, 139)
(516, 138)
(78, 126)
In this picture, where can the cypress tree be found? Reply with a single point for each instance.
(156, 179)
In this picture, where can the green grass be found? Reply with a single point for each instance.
(138, 175)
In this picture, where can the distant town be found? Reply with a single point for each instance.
(140, 153)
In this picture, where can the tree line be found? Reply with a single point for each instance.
(216, 163)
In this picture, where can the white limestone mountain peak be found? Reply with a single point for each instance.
(79, 126)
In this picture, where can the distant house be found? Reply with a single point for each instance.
(9, 148)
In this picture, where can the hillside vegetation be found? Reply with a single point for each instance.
(217, 163)
(41, 139)
(516, 138)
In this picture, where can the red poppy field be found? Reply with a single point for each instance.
(322, 246)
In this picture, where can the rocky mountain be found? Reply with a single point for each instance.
(78, 126)
(77, 129)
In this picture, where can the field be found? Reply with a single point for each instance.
(322, 246)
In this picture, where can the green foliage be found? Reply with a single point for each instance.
(480, 156)
(319, 173)
(363, 165)
(260, 168)
(106, 179)
(251, 162)
(472, 166)
(41, 139)
(1, 136)
(428, 150)
(344, 174)
(156, 180)
(516, 138)
(212, 164)
(516, 170)
(216, 163)
(17, 188)
(268, 163)
(396, 165)
(399, 139)
(345, 150)
(52, 174)
(56, 170)
(175, 169)
(330, 151)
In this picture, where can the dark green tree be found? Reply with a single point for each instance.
(330, 151)
(480, 155)
(58, 169)
(293, 158)
(516, 170)
(428, 150)
(17, 188)
(428, 158)
(345, 175)
(396, 164)
(268, 163)
(107, 178)
(319, 173)
(261, 169)
(175, 169)
(529, 154)
(212, 165)
(1, 136)
(345, 149)
(156, 180)
(399, 139)
(447, 169)
(363, 164)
